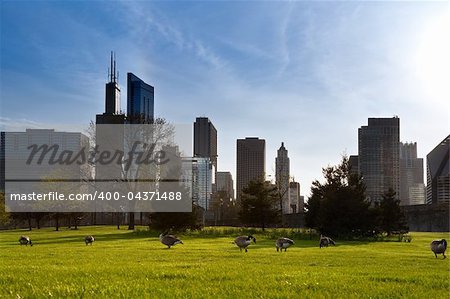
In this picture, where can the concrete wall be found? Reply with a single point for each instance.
(294, 220)
(428, 218)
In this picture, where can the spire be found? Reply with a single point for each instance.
(111, 68)
(114, 78)
(112, 100)
(113, 75)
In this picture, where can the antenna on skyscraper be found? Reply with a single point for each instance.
(114, 67)
(111, 73)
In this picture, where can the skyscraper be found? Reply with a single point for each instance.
(112, 90)
(282, 177)
(140, 100)
(224, 182)
(250, 164)
(438, 173)
(109, 133)
(378, 151)
(353, 160)
(296, 201)
(205, 140)
(412, 188)
(199, 173)
(112, 114)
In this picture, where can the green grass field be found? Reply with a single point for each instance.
(135, 264)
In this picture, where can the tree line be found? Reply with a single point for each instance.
(337, 207)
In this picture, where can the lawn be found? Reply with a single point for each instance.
(135, 264)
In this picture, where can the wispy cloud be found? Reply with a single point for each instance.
(306, 73)
(284, 39)
(151, 18)
(13, 124)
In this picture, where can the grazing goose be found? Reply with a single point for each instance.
(25, 240)
(438, 247)
(89, 240)
(169, 240)
(283, 243)
(325, 241)
(244, 241)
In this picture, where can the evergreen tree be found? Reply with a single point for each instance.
(391, 217)
(338, 207)
(259, 204)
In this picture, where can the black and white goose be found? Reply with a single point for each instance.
(325, 241)
(244, 241)
(283, 243)
(25, 240)
(89, 240)
(438, 247)
(169, 240)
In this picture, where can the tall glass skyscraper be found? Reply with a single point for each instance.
(438, 173)
(250, 162)
(379, 156)
(140, 100)
(205, 139)
(198, 172)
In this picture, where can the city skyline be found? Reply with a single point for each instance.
(317, 74)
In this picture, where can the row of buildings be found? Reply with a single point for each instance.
(385, 162)
(250, 165)
(382, 160)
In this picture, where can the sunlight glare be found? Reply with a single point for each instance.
(433, 59)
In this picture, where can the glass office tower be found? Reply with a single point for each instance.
(140, 100)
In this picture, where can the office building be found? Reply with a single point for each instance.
(31, 160)
(412, 188)
(17, 148)
(199, 173)
(282, 177)
(438, 177)
(140, 100)
(224, 183)
(205, 140)
(109, 131)
(295, 200)
(353, 160)
(112, 114)
(379, 159)
(250, 164)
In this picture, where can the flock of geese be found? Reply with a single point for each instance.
(437, 246)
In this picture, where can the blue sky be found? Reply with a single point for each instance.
(305, 73)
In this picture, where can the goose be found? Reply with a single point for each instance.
(325, 241)
(243, 241)
(283, 243)
(89, 240)
(438, 247)
(169, 240)
(25, 240)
